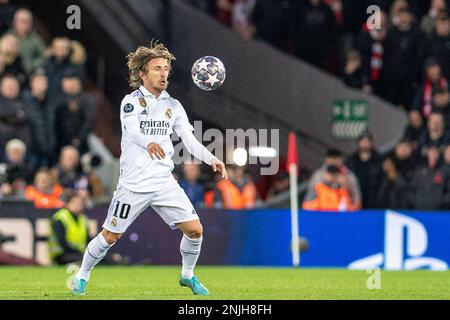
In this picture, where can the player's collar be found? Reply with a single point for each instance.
(147, 93)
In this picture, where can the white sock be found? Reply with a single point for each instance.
(95, 252)
(190, 251)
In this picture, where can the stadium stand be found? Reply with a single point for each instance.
(45, 79)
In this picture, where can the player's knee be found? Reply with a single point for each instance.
(111, 237)
(196, 232)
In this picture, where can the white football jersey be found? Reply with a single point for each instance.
(146, 119)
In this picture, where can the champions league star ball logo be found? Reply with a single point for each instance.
(208, 73)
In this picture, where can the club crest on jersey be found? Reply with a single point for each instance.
(114, 222)
(142, 102)
(128, 108)
(168, 113)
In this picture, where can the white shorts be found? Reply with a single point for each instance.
(171, 203)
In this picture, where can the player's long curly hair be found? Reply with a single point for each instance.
(137, 61)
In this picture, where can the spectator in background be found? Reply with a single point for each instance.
(428, 22)
(347, 178)
(281, 183)
(75, 114)
(366, 164)
(441, 103)
(7, 11)
(353, 72)
(315, 30)
(10, 61)
(89, 163)
(236, 193)
(392, 192)
(241, 18)
(41, 112)
(15, 172)
(446, 160)
(430, 187)
(404, 158)
(274, 22)
(438, 45)
(415, 128)
(423, 100)
(396, 8)
(190, 183)
(402, 54)
(329, 194)
(78, 54)
(435, 134)
(371, 44)
(45, 193)
(58, 63)
(69, 231)
(68, 172)
(224, 11)
(32, 48)
(14, 121)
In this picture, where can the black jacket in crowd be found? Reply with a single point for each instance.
(14, 122)
(392, 194)
(76, 123)
(403, 58)
(41, 118)
(315, 29)
(369, 175)
(429, 189)
(55, 71)
(273, 20)
(439, 48)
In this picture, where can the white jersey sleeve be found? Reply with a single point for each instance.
(130, 122)
(181, 121)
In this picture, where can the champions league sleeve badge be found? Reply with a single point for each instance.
(128, 108)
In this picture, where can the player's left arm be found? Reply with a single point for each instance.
(184, 130)
(199, 151)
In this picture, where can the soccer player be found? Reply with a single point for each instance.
(148, 116)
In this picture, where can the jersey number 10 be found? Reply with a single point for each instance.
(124, 210)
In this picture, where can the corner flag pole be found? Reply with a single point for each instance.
(292, 167)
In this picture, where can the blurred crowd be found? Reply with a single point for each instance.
(45, 115)
(405, 60)
(385, 56)
(414, 175)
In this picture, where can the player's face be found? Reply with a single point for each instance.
(157, 74)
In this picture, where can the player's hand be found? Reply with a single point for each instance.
(155, 150)
(218, 165)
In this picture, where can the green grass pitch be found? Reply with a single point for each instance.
(161, 283)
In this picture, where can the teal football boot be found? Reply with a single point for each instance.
(195, 285)
(79, 287)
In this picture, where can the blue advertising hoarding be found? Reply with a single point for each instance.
(357, 240)
(405, 240)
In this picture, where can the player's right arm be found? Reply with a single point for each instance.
(130, 123)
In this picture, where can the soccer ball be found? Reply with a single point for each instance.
(208, 73)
